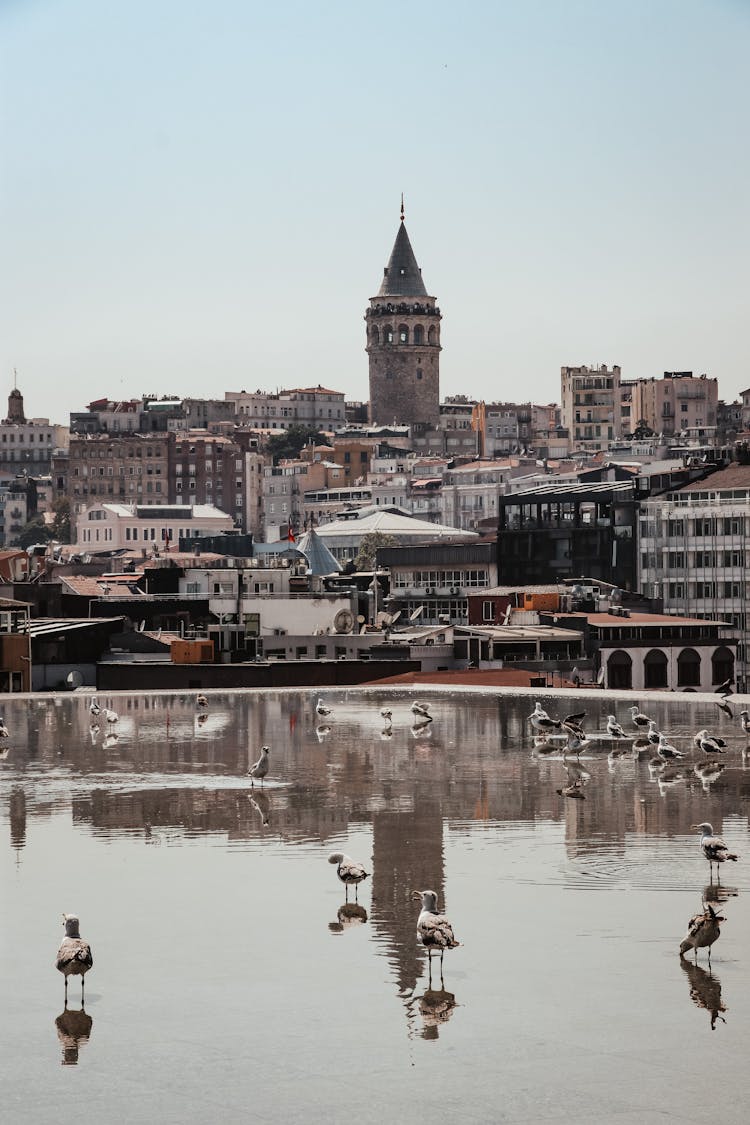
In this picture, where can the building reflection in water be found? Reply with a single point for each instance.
(17, 811)
(74, 1031)
(705, 990)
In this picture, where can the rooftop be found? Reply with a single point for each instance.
(734, 476)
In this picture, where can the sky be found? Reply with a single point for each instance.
(201, 197)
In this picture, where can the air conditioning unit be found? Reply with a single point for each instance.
(455, 590)
(429, 593)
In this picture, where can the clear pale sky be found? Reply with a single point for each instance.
(201, 197)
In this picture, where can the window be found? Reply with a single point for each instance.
(488, 611)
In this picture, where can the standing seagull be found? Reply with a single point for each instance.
(614, 728)
(94, 708)
(709, 744)
(434, 931)
(260, 769)
(639, 718)
(112, 717)
(350, 871)
(74, 955)
(654, 735)
(666, 751)
(387, 716)
(421, 711)
(713, 847)
(321, 710)
(745, 722)
(703, 930)
(4, 732)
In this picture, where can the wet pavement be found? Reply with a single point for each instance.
(232, 978)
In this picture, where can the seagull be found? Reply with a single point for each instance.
(576, 742)
(541, 721)
(387, 715)
(4, 732)
(725, 689)
(422, 711)
(654, 735)
(726, 707)
(709, 744)
(94, 708)
(713, 847)
(745, 721)
(201, 701)
(112, 717)
(703, 930)
(350, 871)
(539, 712)
(613, 728)
(260, 769)
(434, 931)
(639, 718)
(666, 751)
(74, 955)
(321, 710)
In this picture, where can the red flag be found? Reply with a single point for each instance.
(290, 534)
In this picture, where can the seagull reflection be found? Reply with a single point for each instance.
(201, 718)
(421, 730)
(74, 1031)
(705, 990)
(386, 733)
(322, 732)
(435, 1007)
(262, 805)
(4, 753)
(110, 740)
(716, 894)
(94, 733)
(349, 914)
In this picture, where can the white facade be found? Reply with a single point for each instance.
(304, 406)
(113, 527)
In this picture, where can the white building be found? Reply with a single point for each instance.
(590, 409)
(114, 527)
(343, 536)
(695, 551)
(303, 406)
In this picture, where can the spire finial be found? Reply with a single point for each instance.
(402, 207)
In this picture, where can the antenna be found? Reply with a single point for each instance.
(402, 207)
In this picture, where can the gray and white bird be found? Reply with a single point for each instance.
(713, 847)
(94, 708)
(703, 930)
(74, 955)
(322, 710)
(421, 711)
(638, 718)
(259, 770)
(614, 729)
(745, 722)
(201, 701)
(541, 721)
(112, 717)
(350, 871)
(725, 706)
(4, 732)
(666, 751)
(434, 931)
(386, 715)
(654, 734)
(708, 743)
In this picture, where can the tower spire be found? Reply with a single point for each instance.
(402, 207)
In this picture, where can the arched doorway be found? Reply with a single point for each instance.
(655, 669)
(722, 665)
(620, 671)
(688, 668)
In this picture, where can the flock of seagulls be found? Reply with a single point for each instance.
(567, 737)
(420, 722)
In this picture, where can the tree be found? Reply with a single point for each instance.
(368, 548)
(290, 444)
(35, 531)
(61, 522)
(642, 431)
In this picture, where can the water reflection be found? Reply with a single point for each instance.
(436, 1006)
(74, 1031)
(348, 914)
(705, 990)
(261, 804)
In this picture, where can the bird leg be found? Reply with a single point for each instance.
(346, 889)
(83, 982)
(66, 992)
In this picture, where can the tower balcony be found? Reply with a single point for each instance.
(403, 309)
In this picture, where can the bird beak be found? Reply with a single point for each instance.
(694, 827)
(416, 895)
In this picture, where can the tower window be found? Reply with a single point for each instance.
(388, 335)
(419, 372)
(419, 334)
(403, 334)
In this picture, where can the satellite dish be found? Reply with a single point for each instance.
(362, 629)
(74, 679)
(360, 619)
(417, 613)
(395, 617)
(343, 622)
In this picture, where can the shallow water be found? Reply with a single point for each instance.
(229, 981)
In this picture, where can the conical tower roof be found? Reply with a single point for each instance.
(319, 558)
(403, 277)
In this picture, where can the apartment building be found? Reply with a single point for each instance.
(120, 467)
(304, 406)
(679, 405)
(590, 405)
(694, 553)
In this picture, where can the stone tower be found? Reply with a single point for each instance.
(15, 407)
(403, 343)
